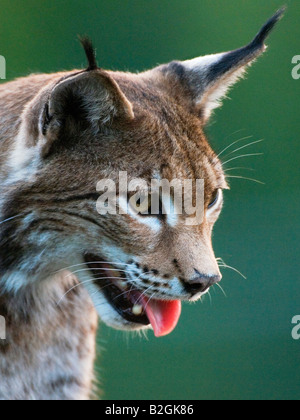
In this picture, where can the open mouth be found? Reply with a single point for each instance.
(130, 303)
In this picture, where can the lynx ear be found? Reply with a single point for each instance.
(207, 79)
(86, 101)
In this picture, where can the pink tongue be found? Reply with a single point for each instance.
(163, 315)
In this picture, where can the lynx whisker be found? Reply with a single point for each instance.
(247, 179)
(221, 288)
(247, 145)
(239, 168)
(210, 298)
(242, 156)
(91, 263)
(12, 218)
(125, 292)
(151, 297)
(232, 144)
(222, 264)
(133, 286)
(144, 294)
(234, 133)
(85, 282)
(95, 269)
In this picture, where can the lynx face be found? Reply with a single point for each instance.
(86, 126)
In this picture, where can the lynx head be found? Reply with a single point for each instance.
(87, 126)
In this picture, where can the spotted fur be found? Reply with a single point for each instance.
(59, 135)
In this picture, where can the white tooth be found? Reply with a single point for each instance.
(122, 284)
(137, 310)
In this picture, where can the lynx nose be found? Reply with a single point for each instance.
(201, 282)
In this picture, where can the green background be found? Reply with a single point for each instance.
(234, 347)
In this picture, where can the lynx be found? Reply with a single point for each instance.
(61, 263)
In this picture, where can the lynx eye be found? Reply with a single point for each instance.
(214, 199)
(143, 205)
(147, 205)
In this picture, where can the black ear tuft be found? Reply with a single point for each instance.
(210, 77)
(267, 28)
(90, 52)
(246, 54)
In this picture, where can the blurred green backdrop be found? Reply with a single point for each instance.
(234, 347)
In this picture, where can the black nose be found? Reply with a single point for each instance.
(201, 283)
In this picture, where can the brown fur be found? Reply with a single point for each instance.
(59, 135)
(163, 136)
